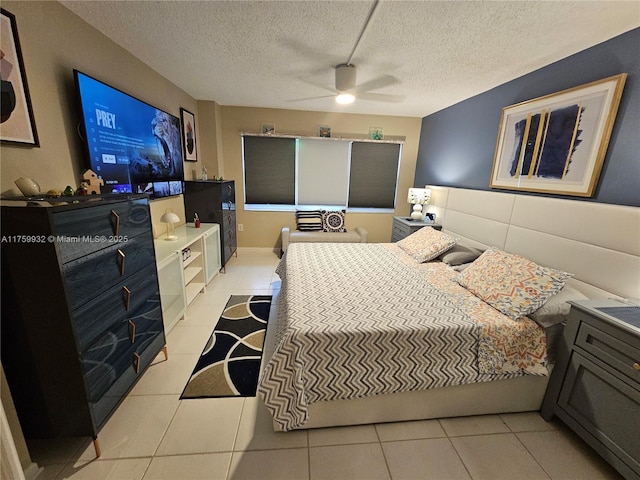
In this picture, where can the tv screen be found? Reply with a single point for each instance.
(133, 146)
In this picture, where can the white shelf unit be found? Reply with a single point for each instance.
(182, 279)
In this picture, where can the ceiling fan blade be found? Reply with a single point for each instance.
(311, 98)
(377, 83)
(380, 97)
(316, 84)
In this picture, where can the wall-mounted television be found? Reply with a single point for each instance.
(133, 146)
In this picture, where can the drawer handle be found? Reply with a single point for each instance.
(127, 294)
(636, 366)
(117, 218)
(122, 258)
(136, 362)
(132, 331)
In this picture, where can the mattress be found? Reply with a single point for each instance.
(357, 320)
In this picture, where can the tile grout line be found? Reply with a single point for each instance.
(386, 461)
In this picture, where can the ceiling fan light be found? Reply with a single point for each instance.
(345, 98)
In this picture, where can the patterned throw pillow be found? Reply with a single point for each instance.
(309, 220)
(510, 283)
(333, 221)
(426, 244)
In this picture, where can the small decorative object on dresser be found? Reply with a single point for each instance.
(27, 186)
(91, 182)
(403, 227)
(595, 385)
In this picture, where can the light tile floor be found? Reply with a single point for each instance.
(153, 435)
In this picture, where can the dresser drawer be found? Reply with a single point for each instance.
(102, 408)
(117, 352)
(83, 228)
(621, 352)
(93, 274)
(134, 296)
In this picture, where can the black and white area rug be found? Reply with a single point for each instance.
(230, 363)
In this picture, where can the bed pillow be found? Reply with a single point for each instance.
(459, 255)
(556, 309)
(426, 244)
(510, 283)
(309, 220)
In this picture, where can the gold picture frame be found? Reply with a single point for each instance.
(557, 143)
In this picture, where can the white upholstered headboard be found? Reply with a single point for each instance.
(599, 243)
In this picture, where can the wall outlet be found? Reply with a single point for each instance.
(240, 227)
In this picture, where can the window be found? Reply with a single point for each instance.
(285, 173)
(374, 173)
(269, 170)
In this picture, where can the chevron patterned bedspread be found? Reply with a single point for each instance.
(365, 319)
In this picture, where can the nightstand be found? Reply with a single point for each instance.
(405, 226)
(595, 385)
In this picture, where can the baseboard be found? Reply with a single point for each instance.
(242, 250)
(32, 471)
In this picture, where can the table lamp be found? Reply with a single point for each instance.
(418, 197)
(169, 218)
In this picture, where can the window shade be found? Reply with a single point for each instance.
(374, 172)
(270, 170)
(323, 172)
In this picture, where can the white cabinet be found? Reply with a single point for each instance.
(172, 294)
(185, 267)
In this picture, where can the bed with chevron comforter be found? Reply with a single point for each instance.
(357, 320)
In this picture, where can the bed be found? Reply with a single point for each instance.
(367, 333)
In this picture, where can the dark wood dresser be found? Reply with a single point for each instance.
(81, 316)
(214, 202)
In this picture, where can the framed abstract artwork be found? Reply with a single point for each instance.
(17, 124)
(188, 121)
(557, 143)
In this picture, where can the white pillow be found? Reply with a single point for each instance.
(556, 309)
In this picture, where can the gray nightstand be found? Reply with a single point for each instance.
(405, 226)
(595, 384)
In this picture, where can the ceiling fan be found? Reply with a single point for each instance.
(346, 90)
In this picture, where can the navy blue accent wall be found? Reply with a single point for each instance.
(457, 144)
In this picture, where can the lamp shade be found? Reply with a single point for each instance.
(419, 196)
(169, 217)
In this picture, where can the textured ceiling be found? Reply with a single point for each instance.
(278, 54)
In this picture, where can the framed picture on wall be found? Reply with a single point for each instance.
(17, 124)
(557, 143)
(324, 131)
(268, 128)
(188, 121)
